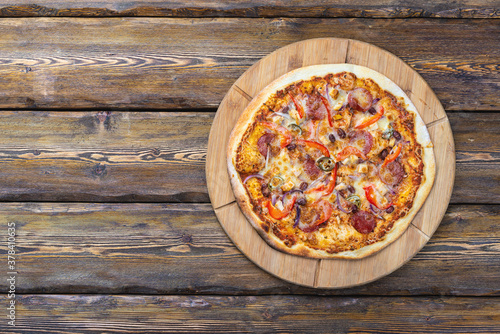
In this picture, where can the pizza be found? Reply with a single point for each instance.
(330, 161)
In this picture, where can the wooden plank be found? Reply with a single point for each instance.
(477, 145)
(253, 314)
(158, 63)
(256, 8)
(101, 156)
(181, 248)
(160, 156)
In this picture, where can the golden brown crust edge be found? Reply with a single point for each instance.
(305, 73)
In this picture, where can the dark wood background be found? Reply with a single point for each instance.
(105, 111)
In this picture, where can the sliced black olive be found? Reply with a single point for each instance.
(384, 154)
(396, 135)
(332, 138)
(341, 133)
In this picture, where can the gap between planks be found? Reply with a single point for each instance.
(436, 122)
(420, 231)
(224, 205)
(347, 49)
(242, 92)
(316, 273)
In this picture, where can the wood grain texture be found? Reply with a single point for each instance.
(181, 248)
(154, 63)
(158, 63)
(477, 139)
(103, 156)
(259, 8)
(277, 314)
(121, 156)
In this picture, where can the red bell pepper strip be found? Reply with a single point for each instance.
(278, 214)
(328, 110)
(370, 120)
(314, 144)
(393, 155)
(350, 150)
(319, 187)
(328, 189)
(327, 210)
(285, 133)
(299, 108)
(370, 196)
(333, 181)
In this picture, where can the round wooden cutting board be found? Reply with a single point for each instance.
(329, 273)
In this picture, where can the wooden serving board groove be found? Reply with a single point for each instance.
(329, 273)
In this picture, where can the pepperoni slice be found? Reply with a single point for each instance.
(311, 169)
(263, 142)
(315, 215)
(364, 222)
(346, 81)
(360, 99)
(392, 174)
(362, 140)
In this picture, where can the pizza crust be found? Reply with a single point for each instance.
(305, 73)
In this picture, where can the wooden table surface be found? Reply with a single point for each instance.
(105, 111)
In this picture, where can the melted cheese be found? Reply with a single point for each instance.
(339, 230)
(253, 187)
(249, 160)
(282, 167)
(295, 116)
(358, 186)
(383, 123)
(380, 187)
(350, 160)
(362, 168)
